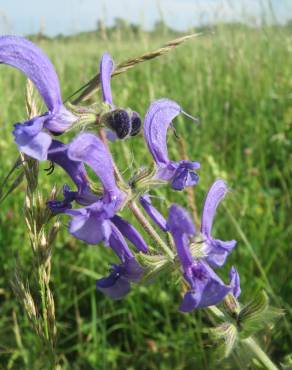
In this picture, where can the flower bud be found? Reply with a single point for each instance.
(136, 124)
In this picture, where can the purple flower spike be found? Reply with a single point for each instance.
(91, 150)
(106, 69)
(206, 288)
(157, 121)
(217, 250)
(28, 58)
(118, 283)
(153, 212)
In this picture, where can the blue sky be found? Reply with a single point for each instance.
(70, 16)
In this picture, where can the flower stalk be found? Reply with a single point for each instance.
(149, 229)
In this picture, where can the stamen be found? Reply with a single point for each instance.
(195, 119)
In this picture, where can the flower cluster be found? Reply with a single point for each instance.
(95, 211)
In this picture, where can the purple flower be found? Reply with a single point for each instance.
(118, 283)
(122, 122)
(31, 136)
(157, 120)
(91, 223)
(206, 288)
(94, 222)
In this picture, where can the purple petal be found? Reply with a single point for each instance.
(110, 135)
(114, 286)
(215, 194)
(152, 212)
(91, 150)
(91, 224)
(181, 227)
(27, 57)
(31, 140)
(180, 174)
(207, 288)
(106, 69)
(180, 220)
(117, 284)
(130, 232)
(157, 120)
(234, 282)
(217, 251)
(131, 270)
(61, 206)
(185, 176)
(58, 153)
(119, 245)
(60, 120)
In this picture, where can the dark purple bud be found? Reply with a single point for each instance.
(118, 121)
(136, 124)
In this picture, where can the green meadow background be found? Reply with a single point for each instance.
(238, 80)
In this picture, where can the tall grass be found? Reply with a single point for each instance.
(238, 81)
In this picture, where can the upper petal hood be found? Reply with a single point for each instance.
(106, 68)
(215, 194)
(27, 57)
(157, 120)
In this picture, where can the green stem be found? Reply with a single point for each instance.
(250, 343)
(149, 229)
(259, 353)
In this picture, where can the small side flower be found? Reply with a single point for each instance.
(205, 286)
(158, 118)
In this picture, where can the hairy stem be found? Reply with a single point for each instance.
(259, 353)
(149, 229)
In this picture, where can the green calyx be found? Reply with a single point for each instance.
(256, 315)
(87, 116)
(143, 181)
(154, 265)
(227, 335)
